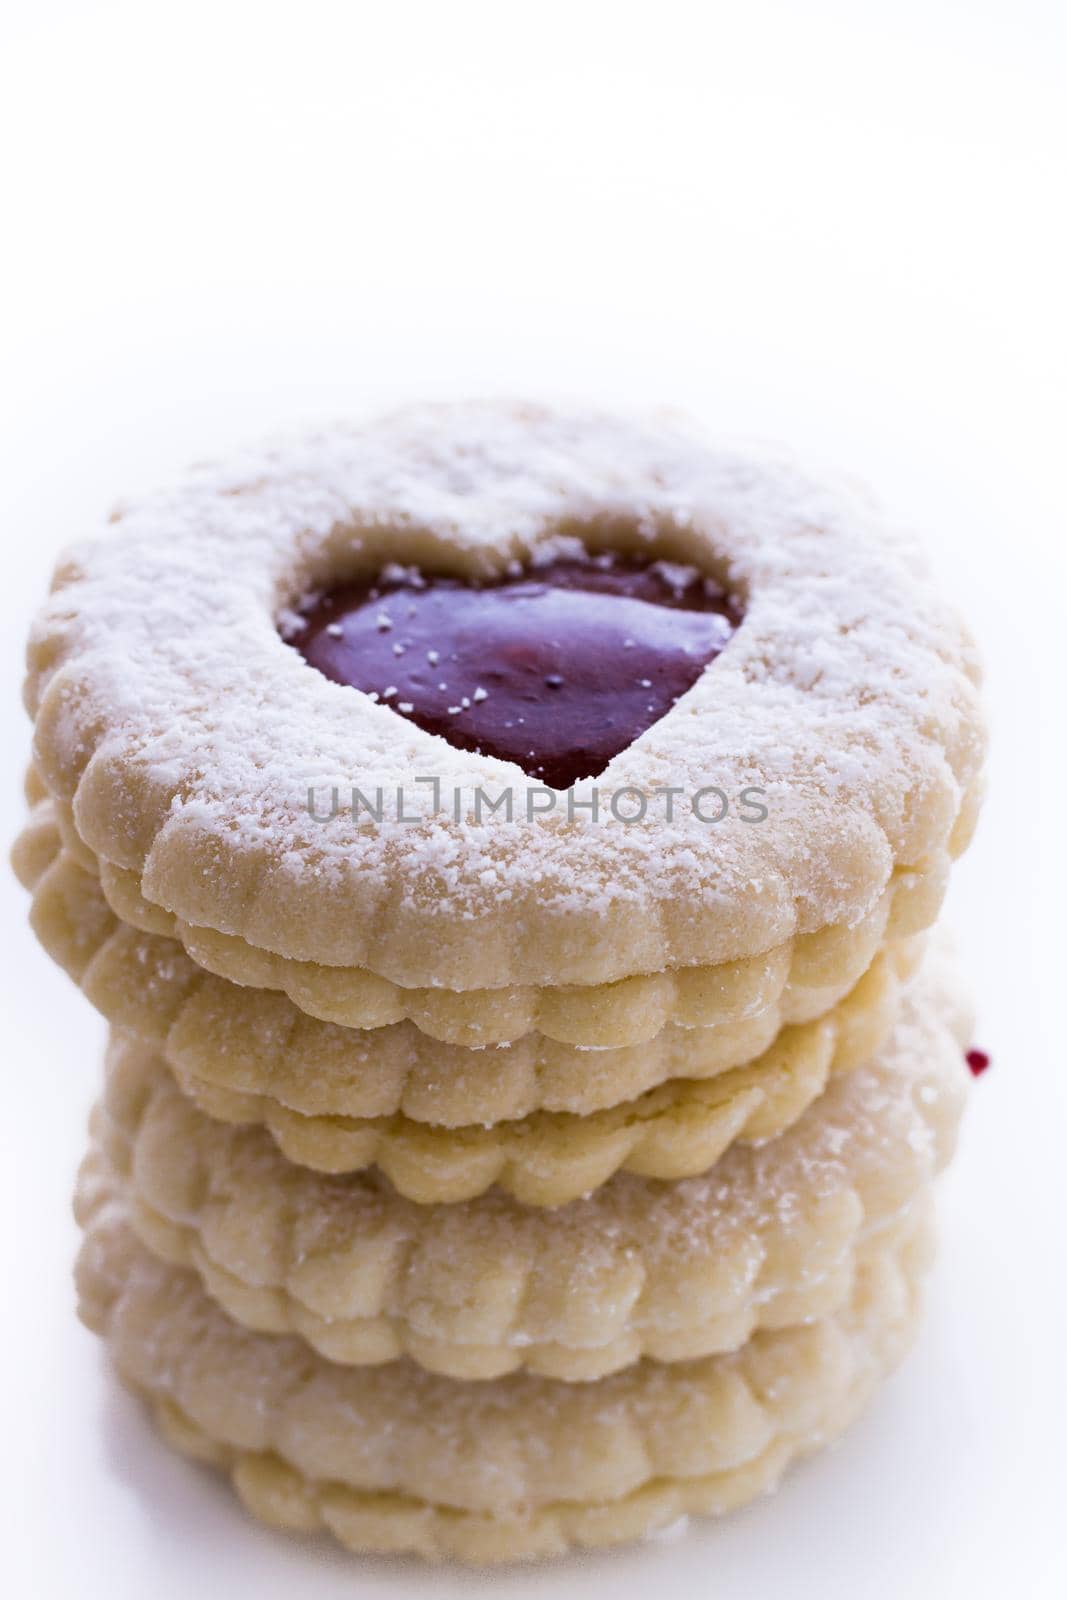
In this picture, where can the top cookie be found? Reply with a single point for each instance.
(184, 678)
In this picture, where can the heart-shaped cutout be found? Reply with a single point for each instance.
(557, 667)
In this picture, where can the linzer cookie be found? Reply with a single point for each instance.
(548, 1158)
(395, 1459)
(729, 639)
(769, 1237)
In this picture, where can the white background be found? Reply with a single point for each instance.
(840, 225)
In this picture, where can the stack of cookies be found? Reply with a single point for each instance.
(502, 842)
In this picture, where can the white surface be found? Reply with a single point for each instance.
(838, 225)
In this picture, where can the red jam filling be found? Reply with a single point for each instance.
(978, 1061)
(556, 668)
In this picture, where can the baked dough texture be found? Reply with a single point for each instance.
(182, 735)
(769, 1237)
(396, 1459)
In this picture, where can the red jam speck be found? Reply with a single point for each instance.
(556, 667)
(978, 1061)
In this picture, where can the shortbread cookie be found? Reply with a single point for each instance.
(548, 1158)
(770, 1237)
(397, 1459)
(184, 684)
(751, 998)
